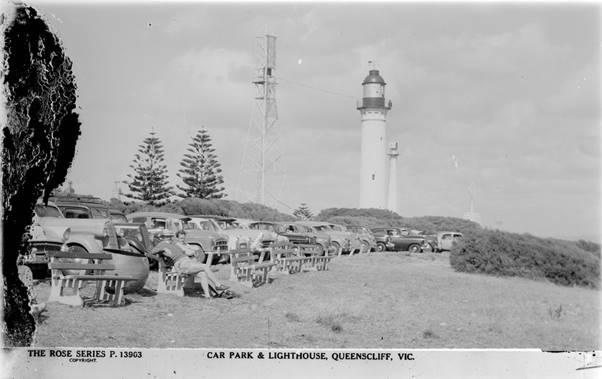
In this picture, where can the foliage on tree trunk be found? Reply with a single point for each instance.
(303, 212)
(39, 140)
(200, 171)
(150, 181)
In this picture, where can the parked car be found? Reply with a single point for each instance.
(342, 241)
(85, 236)
(366, 236)
(383, 242)
(259, 241)
(296, 234)
(81, 206)
(401, 239)
(156, 222)
(44, 240)
(446, 240)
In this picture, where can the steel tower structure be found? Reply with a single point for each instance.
(259, 157)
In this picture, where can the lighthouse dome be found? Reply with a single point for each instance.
(374, 77)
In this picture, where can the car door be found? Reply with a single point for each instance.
(447, 241)
(396, 239)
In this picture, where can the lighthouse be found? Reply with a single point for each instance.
(373, 168)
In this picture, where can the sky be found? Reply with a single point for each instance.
(503, 97)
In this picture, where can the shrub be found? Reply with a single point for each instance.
(510, 254)
(196, 206)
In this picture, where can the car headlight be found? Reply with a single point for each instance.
(66, 234)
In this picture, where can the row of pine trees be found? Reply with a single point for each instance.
(200, 172)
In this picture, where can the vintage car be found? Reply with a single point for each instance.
(383, 242)
(366, 236)
(86, 236)
(295, 234)
(446, 240)
(81, 206)
(342, 241)
(44, 240)
(156, 222)
(401, 239)
(241, 236)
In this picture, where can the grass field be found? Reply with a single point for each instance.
(386, 300)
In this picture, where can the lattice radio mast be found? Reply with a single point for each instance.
(262, 137)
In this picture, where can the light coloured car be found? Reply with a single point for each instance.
(342, 241)
(51, 230)
(365, 236)
(446, 240)
(240, 235)
(157, 222)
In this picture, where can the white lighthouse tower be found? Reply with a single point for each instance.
(373, 171)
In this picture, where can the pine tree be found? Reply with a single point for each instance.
(303, 212)
(149, 182)
(200, 171)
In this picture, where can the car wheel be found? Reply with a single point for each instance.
(321, 250)
(335, 249)
(380, 247)
(414, 248)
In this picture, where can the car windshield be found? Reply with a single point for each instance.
(133, 233)
(228, 225)
(98, 212)
(446, 237)
(292, 228)
(47, 211)
(260, 226)
(206, 225)
(76, 212)
(158, 223)
(118, 217)
(321, 228)
(338, 228)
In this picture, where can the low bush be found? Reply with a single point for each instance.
(510, 254)
(194, 206)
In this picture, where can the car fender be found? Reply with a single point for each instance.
(205, 242)
(88, 242)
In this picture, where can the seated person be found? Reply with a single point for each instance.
(185, 261)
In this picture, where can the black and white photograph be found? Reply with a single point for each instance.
(345, 181)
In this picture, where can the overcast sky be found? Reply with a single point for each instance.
(508, 92)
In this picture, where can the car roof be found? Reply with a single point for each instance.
(198, 218)
(157, 214)
(439, 233)
(312, 223)
(213, 217)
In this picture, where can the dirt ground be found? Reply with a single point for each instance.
(381, 300)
